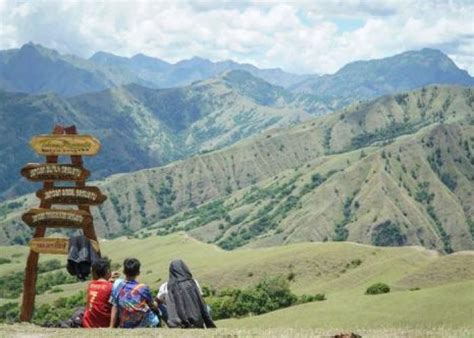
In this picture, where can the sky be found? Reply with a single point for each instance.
(297, 36)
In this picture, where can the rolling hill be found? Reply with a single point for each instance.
(428, 290)
(141, 127)
(373, 78)
(393, 171)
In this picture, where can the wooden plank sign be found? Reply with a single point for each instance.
(72, 195)
(57, 218)
(54, 145)
(54, 246)
(60, 172)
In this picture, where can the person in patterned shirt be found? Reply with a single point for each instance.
(132, 302)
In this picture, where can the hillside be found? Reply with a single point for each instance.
(141, 127)
(373, 78)
(313, 181)
(442, 300)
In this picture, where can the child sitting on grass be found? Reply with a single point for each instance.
(132, 303)
(98, 308)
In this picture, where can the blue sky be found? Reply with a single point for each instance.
(297, 36)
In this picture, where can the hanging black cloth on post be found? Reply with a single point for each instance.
(81, 257)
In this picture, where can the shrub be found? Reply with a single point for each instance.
(268, 295)
(311, 298)
(388, 233)
(4, 260)
(377, 288)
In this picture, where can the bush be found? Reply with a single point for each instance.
(9, 313)
(311, 298)
(268, 295)
(377, 288)
(388, 233)
(4, 260)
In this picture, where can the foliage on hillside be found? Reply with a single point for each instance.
(313, 182)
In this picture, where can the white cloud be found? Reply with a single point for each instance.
(299, 36)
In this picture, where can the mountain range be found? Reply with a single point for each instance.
(379, 152)
(393, 171)
(140, 127)
(36, 69)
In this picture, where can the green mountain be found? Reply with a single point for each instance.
(141, 127)
(373, 78)
(393, 171)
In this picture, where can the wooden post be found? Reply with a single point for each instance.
(31, 270)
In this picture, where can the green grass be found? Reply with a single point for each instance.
(342, 271)
(449, 306)
(31, 330)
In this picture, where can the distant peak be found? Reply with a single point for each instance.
(239, 76)
(32, 47)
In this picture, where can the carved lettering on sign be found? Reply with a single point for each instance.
(50, 245)
(57, 218)
(49, 145)
(59, 172)
(55, 246)
(70, 195)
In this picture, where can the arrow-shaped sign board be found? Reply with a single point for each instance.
(72, 195)
(50, 145)
(54, 246)
(57, 218)
(58, 246)
(54, 172)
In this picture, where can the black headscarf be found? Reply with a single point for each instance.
(185, 305)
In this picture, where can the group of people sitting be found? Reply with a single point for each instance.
(126, 303)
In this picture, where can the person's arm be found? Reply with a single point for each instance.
(161, 296)
(113, 317)
(149, 299)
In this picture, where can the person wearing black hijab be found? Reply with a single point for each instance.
(185, 306)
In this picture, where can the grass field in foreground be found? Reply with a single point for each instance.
(445, 299)
(26, 330)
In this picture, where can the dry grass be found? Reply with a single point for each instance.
(27, 330)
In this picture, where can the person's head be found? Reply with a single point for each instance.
(131, 267)
(179, 270)
(101, 269)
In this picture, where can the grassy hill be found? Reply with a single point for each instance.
(394, 171)
(428, 290)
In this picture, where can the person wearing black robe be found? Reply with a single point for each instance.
(185, 306)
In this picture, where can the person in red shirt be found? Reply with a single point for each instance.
(98, 308)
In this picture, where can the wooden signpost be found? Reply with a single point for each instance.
(82, 145)
(63, 141)
(54, 246)
(84, 195)
(38, 172)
